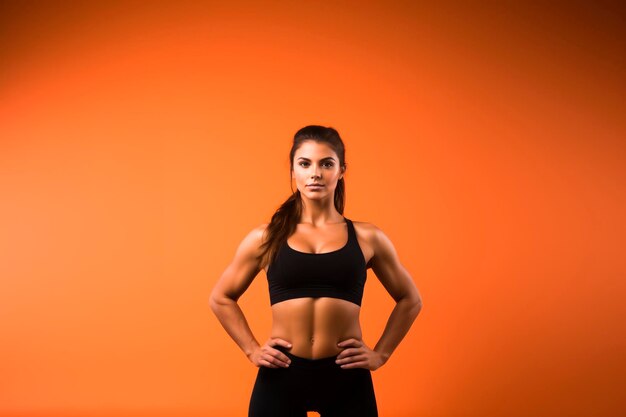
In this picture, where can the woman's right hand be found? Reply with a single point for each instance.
(270, 357)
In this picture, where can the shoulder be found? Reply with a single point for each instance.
(252, 241)
(373, 235)
(368, 231)
(259, 231)
(365, 230)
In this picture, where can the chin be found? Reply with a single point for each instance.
(315, 194)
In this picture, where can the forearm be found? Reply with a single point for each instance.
(402, 317)
(234, 322)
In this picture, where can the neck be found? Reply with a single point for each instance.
(319, 212)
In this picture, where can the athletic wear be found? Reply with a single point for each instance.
(337, 274)
(312, 385)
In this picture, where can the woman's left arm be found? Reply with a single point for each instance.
(397, 281)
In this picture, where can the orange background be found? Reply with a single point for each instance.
(140, 142)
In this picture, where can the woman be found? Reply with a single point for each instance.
(316, 261)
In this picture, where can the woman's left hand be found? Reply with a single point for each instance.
(356, 354)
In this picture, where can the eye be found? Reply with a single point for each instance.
(325, 164)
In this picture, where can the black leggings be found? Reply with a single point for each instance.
(312, 385)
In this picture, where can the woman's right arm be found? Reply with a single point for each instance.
(223, 301)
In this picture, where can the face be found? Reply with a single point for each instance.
(316, 163)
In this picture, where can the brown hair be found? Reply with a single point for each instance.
(286, 218)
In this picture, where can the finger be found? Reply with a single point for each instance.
(277, 353)
(267, 364)
(351, 358)
(346, 342)
(350, 342)
(355, 362)
(284, 358)
(346, 353)
(360, 364)
(282, 342)
(279, 358)
(274, 361)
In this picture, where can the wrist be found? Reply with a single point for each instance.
(383, 355)
(250, 350)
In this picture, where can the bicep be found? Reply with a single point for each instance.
(242, 270)
(389, 270)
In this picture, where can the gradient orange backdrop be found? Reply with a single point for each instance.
(141, 141)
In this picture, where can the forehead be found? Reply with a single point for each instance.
(314, 150)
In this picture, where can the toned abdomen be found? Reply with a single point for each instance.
(314, 326)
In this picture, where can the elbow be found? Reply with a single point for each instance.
(415, 301)
(414, 309)
(213, 303)
(218, 300)
(418, 306)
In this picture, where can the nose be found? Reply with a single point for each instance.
(315, 172)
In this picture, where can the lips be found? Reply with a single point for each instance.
(315, 185)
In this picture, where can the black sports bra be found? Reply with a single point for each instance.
(337, 274)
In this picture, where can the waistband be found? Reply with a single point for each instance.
(299, 361)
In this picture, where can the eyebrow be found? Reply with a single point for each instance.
(323, 159)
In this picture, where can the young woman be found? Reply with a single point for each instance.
(316, 262)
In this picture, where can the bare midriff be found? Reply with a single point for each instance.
(314, 326)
